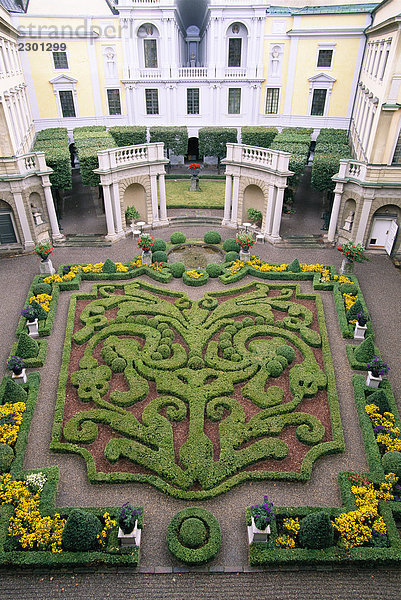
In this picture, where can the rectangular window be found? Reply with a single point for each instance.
(234, 101)
(234, 52)
(67, 103)
(152, 102)
(397, 152)
(193, 101)
(272, 96)
(324, 58)
(318, 102)
(113, 99)
(150, 50)
(384, 64)
(60, 60)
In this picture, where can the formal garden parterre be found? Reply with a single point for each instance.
(198, 396)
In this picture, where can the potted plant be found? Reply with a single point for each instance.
(15, 364)
(262, 515)
(194, 169)
(352, 253)
(129, 534)
(246, 241)
(43, 249)
(131, 214)
(146, 242)
(31, 317)
(360, 325)
(255, 216)
(376, 369)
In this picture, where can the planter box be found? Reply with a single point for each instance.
(130, 539)
(33, 330)
(146, 258)
(359, 333)
(373, 381)
(258, 535)
(21, 378)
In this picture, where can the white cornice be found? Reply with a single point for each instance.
(319, 32)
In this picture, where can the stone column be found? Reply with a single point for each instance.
(275, 235)
(111, 234)
(153, 191)
(234, 216)
(334, 213)
(117, 210)
(56, 235)
(19, 204)
(363, 221)
(163, 203)
(227, 201)
(271, 201)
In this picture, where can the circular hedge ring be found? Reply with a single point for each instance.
(193, 536)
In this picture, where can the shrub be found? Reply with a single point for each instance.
(177, 238)
(175, 139)
(177, 269)
(391, 462)
(365, 351)
(128, 135)
(194, 543)
(231, 256)
(379, 398)
(294, 266)
(258, 136)
(27, 347)
(274, 368)
(230, 245)
(195, 362)
(287, 351)
(109, 266)
(164, 350)
(42, 288)
(158, 245)
(80, 531)
(352, 312)
(212, 237)
(159, 256)
(6, 457)
(213, 270)
(118, 364)
(349, 288)
(13, 392)
(41, 314)
(316, 531)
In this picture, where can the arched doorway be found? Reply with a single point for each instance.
(193, 148)
(7, 230)
(135, 195)
(384, 227)
(253, 198)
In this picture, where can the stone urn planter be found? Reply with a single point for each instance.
(347, 266)
(258, 535)
(46, 266)
(146, 257)
(33, 330)
(373, 380)
(359, 332)
(19, 376)
(244, 255)
(130, 539)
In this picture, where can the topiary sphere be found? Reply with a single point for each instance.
(141, 320)
(159, 244)
(274, 368)
(193, 533)
(164, 350)
(316, 531)
(282, 359)
(230, 245)
(42, 288)
(6, 457)
(118, 365)
(391, 462)
(177, 269)
(159, 256)
(156, 356)
(195, 362)
(349, 288)
(212, 237)
(228, 352)
(259, 320)
(231, 256)
(80, 531)
(287, 351)
(213, 270)
(177, 238)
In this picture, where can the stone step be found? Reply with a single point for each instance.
(194, 220)
(83, 240)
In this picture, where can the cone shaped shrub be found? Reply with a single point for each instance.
(294, 266)
(380, 399)
(13, 392)
(352, 312)
(366, 350)
(109, 266)
(391, 462)
(41, 314)
(27, 347)
(6, 457)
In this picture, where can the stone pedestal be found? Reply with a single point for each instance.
(373, 381)
(347, 266)
(194, 185)
(130, 539)
(21, 378)
(33, 328)
(46, 267)
(244, 255)
(359, 332)
(146, 258)
(258, 535)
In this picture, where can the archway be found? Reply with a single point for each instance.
(193, 148)
(253, 198)
(7, 230)
(135, 195)
(384, 226)
(349, 214)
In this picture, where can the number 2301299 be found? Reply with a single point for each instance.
(42, 47)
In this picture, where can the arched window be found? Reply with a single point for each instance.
(237, 37)
(149, 34)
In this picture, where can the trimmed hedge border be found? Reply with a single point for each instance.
(194, 556)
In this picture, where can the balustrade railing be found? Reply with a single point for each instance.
(130, 155)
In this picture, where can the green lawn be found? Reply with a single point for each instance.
(210, 196)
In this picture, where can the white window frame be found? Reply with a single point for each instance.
(65, 83)
(273, 87)
(331, 47)
(235, 114)
(319, 82)
(107, 101)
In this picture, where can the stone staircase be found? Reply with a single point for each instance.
(302, 241)
(191, 220)
(83, 240)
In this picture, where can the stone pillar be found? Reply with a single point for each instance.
(227, 201)
(278, 208)
(56, 235)
(334, 213)
(117, 210)
(153, 191)
(19, 204)
(271, 201)
(234, 216)
(163, 203)
(111, 234)
(363, 221)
